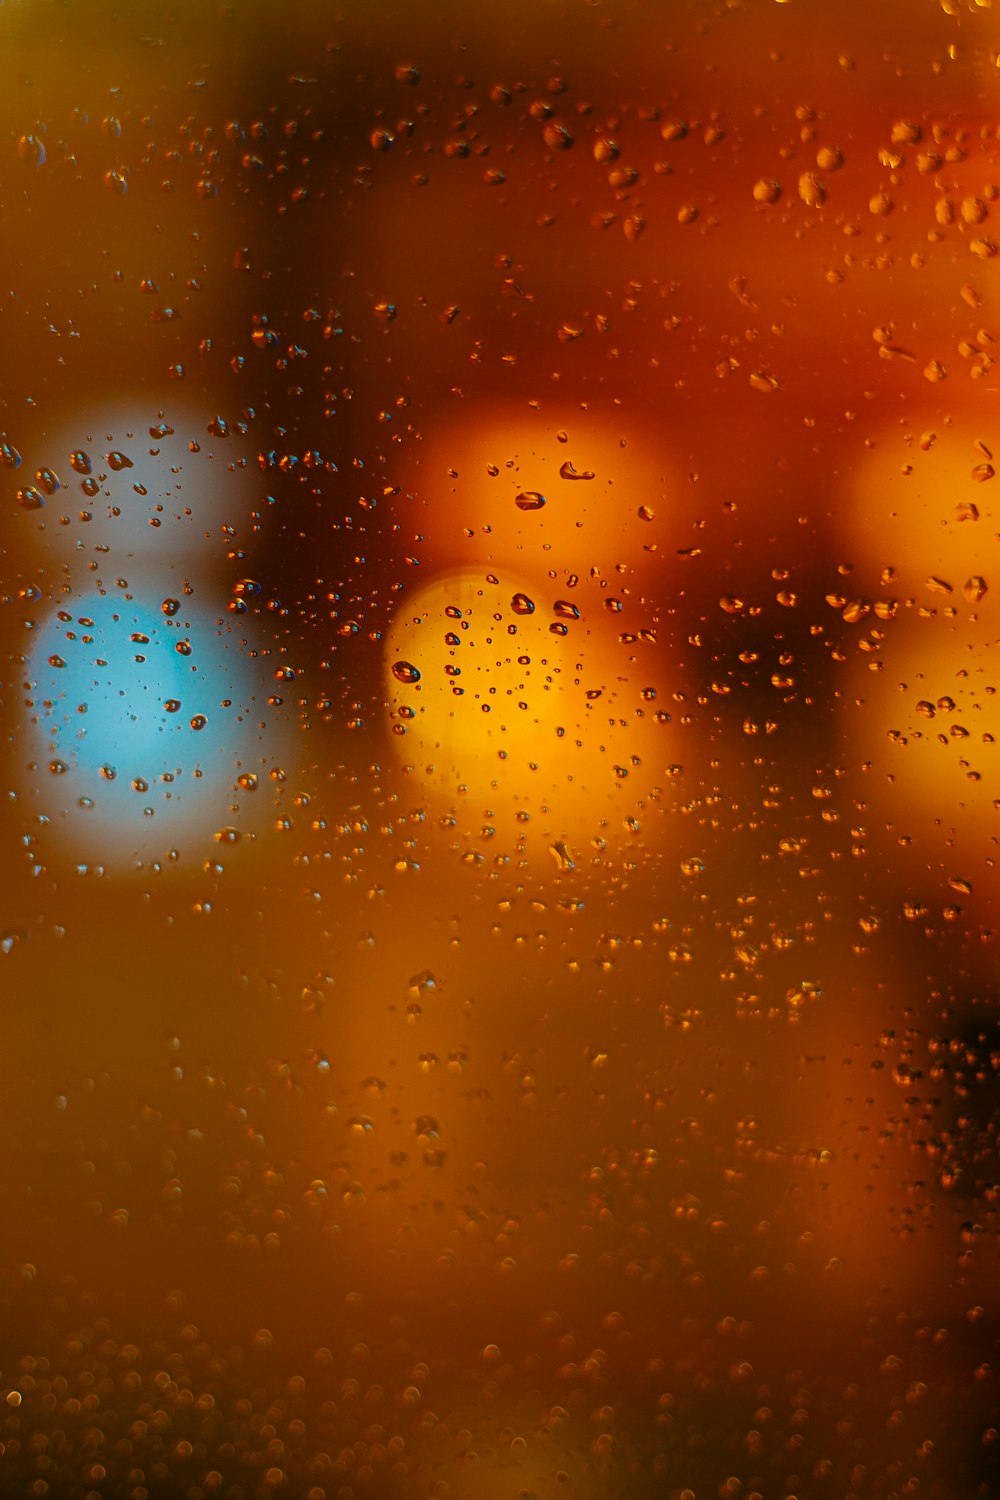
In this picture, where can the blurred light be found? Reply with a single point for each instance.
(603, 500)
(923, 707)
(150, 487)
(142, 723)
(519, 698)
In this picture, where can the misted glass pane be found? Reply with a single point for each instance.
(500, 801)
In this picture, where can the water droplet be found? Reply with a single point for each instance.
(405, 671)
(811, 190)
(31, 151)
(766, 191)
(557, 137)
(47, 481)
(522, 605)
(562, 856)
(567, 471)
(529, 500)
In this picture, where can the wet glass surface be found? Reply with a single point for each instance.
(499, 795)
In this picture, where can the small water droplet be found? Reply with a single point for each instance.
(562, 856)
(529, 500)
(766, 191)
(557, 137)
(47, 481)
(31, 151)
(811, 190)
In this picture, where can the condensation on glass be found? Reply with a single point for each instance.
(498, 938)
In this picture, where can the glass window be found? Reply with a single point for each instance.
(498, 931)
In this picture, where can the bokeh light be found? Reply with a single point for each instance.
(518, 700)
(151, 729)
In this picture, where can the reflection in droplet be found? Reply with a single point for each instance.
(405, 671)
(31, 151)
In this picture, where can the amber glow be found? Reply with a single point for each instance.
(921, 709)
(519, 708)
(498, 937)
